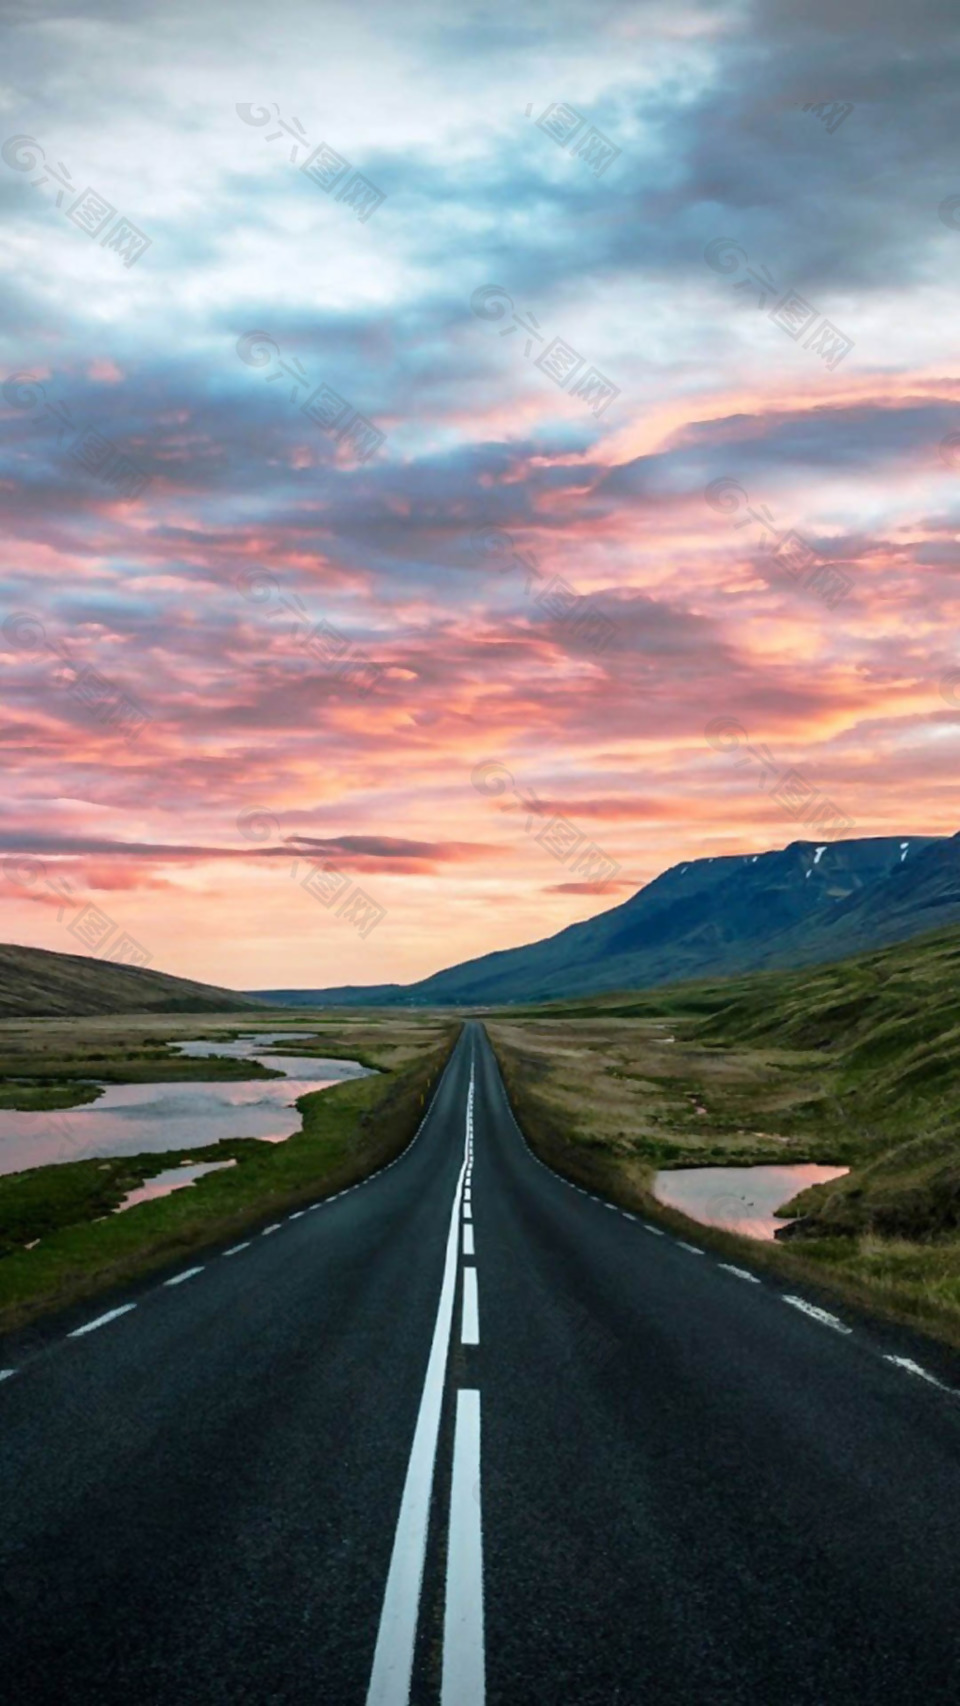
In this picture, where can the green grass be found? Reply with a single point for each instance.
(856, 1063)
(348, 1131)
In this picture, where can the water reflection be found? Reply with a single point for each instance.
(740, 1199)
(171, 1179)
(130, 1119)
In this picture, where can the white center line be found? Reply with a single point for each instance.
(470, 1327)
(5, 1373)
(468, 1249)
(268, 1229)
(654, 1229)
(396, 1636)
(188, 1273)
(298, 1216)
(463, 1681)
(821, 1315)
(693, 1248)
(237, 1248)
(741, 1273)
(101, 1320)
(467, 1215)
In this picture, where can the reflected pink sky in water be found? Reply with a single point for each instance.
(132, 1119)
(740, 1199)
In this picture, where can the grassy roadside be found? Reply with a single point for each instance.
(348, 1132)
(591, 1121)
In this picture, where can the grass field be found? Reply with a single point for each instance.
(856, 1064)
(80, 1246)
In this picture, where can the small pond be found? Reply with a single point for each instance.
(171, 1179)
(740, 1199)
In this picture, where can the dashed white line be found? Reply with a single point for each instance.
(468, 1249)
(821, 1315)
(694, 1249)
(298, 1215)
(914, 1368)
(396, 1636)
(101, 1320)
(467, 1212)
(741, 1273)
(654, 1229)
(5, 1373)
(235, 1251)
(274, 1228)
(463, 1680)
(188, 1273)
(470, 1326)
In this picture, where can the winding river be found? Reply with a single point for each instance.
(129, 1119)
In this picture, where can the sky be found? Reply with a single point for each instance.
(458, 462)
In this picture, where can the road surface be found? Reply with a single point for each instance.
(467, 1434)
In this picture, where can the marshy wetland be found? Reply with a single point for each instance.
(360, 1088)
(852, 1067)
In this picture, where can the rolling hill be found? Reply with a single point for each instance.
(36, 983)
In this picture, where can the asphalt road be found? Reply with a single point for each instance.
(466, 1434)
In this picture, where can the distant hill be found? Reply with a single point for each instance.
(799, 905)
(35, 983)
(348, 995)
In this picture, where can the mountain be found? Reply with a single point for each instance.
(795, 906)
(35, 983)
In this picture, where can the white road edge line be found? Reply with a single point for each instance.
(821, 1315)
(178, 1279)
(274, 1228)
(470, 1325)
(463, 1682)
(468, 1249)
(100, 1320)
(237, 1248)
(397, 1633)
(741, 1273)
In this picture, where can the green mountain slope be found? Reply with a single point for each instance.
(713, 917)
